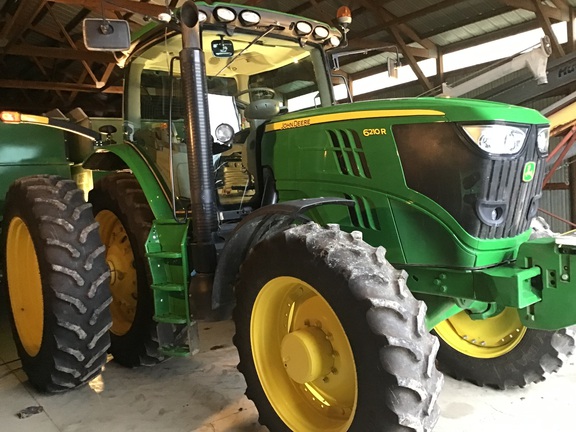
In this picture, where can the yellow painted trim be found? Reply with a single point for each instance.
(123, 277)
(354, 115)
(25, 286)
(293, 327)
(484, 339)
(29, 118)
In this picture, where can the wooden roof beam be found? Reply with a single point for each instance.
(385, 16)
(117, 5)
(71, 42)
(532, 6)
(544, 20)
(60, 53)
(63, 86)
(21, 20)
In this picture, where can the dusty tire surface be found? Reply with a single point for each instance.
(120, 195)
(395, 378)
(538, 354)
(60, 322)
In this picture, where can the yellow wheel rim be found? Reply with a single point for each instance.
(123, 280)
(489, 338)
(303, 357)
(25, 286)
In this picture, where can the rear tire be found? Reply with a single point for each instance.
(57, 283)
(329, 294)
(125, 218)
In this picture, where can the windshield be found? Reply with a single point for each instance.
(295, 74)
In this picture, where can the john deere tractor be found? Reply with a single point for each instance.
(340, 235)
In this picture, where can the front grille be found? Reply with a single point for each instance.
(439, 162)
(505, 184)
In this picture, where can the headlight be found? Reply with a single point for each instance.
(224, 15)
(224, 133)
(542, 140)
(303, 28)
(334, 41)
(321, 32)
(497, 139)
(249, 18)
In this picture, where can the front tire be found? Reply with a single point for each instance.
(125, 218)
(57, 282)
(500, 352)
(331, 339)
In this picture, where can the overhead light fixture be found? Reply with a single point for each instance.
(249, 18)
(321, 33)
(334, 41)
(224, 14)
(303, 28)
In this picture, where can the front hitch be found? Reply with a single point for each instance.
(556, 285)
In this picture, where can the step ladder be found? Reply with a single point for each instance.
(166, 250)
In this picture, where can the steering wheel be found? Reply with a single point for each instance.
(267, 92)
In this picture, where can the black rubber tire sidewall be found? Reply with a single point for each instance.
(372, 412)
(539, 353)
(121, 194)
(44, 370)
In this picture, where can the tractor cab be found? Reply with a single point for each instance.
(253, 74)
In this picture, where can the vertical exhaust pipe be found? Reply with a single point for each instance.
(201, 173)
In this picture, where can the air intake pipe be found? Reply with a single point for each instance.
(199, 145)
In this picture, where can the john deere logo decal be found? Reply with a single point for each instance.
(529, 171)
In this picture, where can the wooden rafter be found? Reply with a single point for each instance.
(117, 5)
(385, 16)
(21, 21)
(72, 44)
(551, 12)
(59, 53)
(44, 85)
(544, 21)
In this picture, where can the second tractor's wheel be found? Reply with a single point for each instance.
(499, 351)
(125, 219)
(57, 282)
(331, 339)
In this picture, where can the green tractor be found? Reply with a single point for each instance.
(338, 235)
(54, 267)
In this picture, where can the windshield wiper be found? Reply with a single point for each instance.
(270, 28)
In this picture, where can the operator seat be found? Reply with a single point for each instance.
(257, 113)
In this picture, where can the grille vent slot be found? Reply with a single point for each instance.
(362, 214)
(350, 156)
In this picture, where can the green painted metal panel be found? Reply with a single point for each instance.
(349, 151)
(30, 150)
(167, 253)
(149, 180)
(556, 285)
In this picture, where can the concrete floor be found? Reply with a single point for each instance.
(206, 394)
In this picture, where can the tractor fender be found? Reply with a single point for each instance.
(261, 224)
(126, 156)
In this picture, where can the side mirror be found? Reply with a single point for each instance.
(106, 35)
(392, 68)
